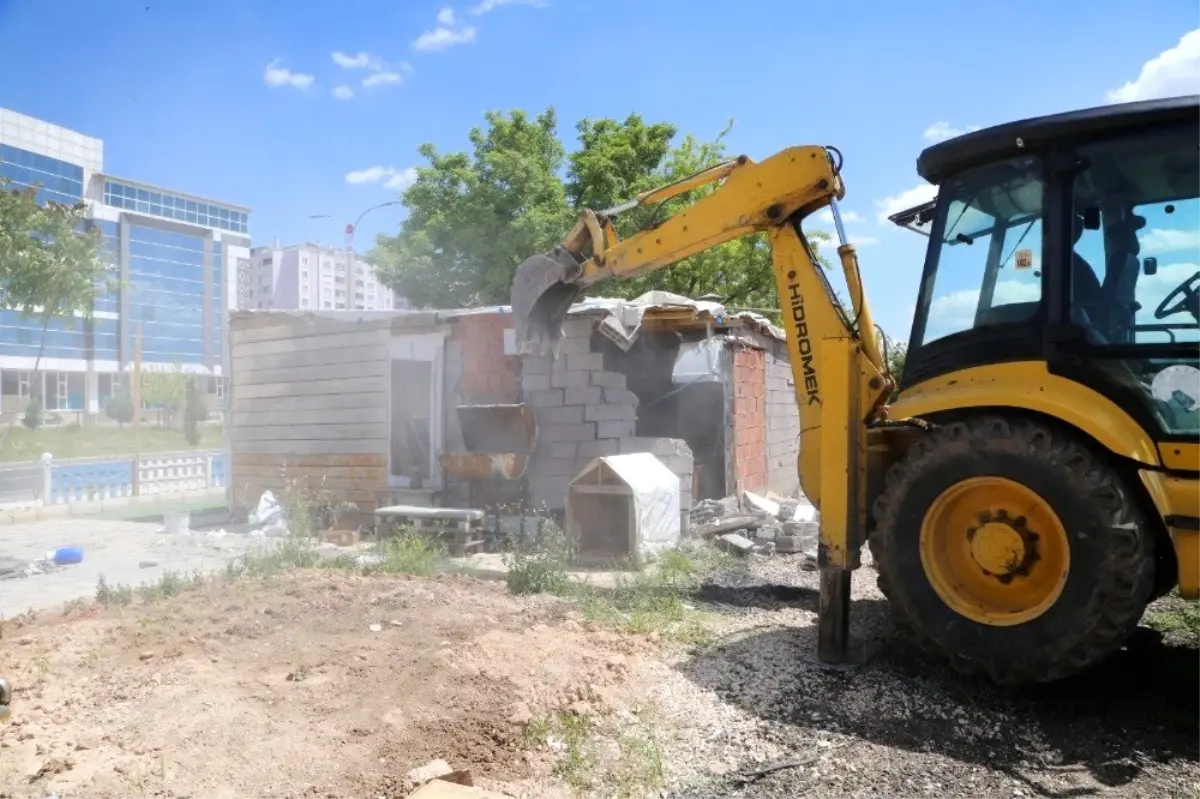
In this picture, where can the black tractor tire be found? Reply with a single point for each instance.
(1110, 580)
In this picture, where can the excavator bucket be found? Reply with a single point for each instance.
(543, 290)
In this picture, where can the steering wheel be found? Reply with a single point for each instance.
(1189, 299)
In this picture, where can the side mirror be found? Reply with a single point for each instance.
(1149, 266)
(1091, 217)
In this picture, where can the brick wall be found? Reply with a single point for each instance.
(485, 375)
(783, 423)
(749, 419)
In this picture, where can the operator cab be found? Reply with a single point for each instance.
(1072, 239)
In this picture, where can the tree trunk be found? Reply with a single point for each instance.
(37, 365)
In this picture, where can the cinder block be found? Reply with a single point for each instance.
(569, 379)
(574, 346)
(549, 492)
(563, 449)
(535, 365)
(545, 466)
(588, 362)
(578, 328)
(545, 399)
(535, 382)
(614, 429)
(591, 395)
(597, 449)
(567, 415)
(610, 413)
(620, 396)
(662, 447)
(583, 431)
(608, 379)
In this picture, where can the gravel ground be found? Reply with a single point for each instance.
(754, 700)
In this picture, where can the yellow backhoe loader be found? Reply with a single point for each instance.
(1036, 482)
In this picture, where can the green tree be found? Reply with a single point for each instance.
(896, 352)
(50, 264)
(119, 409)
(473, 218)
(165, 392)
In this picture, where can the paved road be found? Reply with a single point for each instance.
(20, 483)
(112, 548)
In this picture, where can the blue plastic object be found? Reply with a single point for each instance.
(67, 555)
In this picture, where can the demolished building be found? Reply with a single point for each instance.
(436, 408)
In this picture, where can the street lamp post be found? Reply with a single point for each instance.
(349, 231)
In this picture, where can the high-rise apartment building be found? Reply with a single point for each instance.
(174, 255)
(311, 276)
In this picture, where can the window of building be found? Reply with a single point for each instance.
(303, 303)
(326, 304)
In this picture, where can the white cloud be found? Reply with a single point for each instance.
(825, 215)
(381, 79)
(448, 33)
(442, 38)
(1158, 240)
(276, 76)
(491, 5)
(1170, 73)
(402, 179)
(393, 178)
(940, 131)
(921, 193)
(359, 60)
(343, 92)
(862, 241)
(955, 312)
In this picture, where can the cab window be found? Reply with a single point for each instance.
(986, 268)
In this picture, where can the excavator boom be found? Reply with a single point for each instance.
(839, 373)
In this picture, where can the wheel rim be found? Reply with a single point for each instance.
(994, 551)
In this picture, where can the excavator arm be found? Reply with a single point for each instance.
(840, 377)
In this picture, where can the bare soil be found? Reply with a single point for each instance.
(283, 688)
(323, 683)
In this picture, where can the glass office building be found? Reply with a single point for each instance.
(167, 252)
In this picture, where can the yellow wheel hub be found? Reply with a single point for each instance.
(994, 551)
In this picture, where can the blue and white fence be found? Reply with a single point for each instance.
(96, 479)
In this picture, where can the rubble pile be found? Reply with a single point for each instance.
(754, 523)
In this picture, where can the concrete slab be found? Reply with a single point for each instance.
(110, 547)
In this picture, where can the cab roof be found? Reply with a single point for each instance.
(946, 158)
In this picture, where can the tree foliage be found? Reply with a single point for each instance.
(50, 267)
(474, 217)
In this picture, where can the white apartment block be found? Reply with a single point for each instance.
(311, 276)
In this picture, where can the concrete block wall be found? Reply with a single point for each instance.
(783, 423)
(748, 408)
(584, 411)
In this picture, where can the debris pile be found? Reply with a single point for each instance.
(759, 524)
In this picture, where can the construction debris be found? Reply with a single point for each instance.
(756, 523)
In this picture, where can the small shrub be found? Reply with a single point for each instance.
(539, 567)
(119, 409)
(409, 553)
(33, 413)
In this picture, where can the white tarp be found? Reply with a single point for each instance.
(655, 492)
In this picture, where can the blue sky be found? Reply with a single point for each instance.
(238, 99)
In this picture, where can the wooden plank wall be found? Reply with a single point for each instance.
(309, 396)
